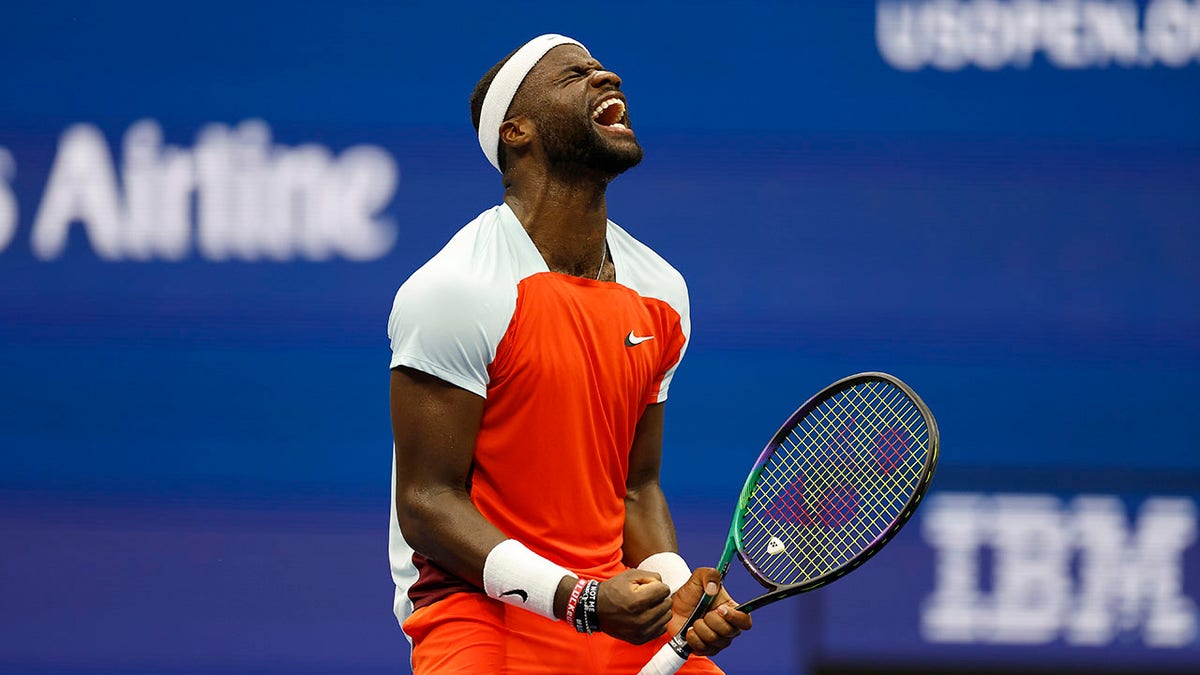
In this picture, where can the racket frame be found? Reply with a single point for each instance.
(734, 542)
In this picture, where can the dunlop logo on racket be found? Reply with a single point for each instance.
(838, 480)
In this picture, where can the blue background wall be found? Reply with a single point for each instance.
(194, 453)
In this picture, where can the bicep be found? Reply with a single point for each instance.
(648, 525)
(645, 457)
(434, 425)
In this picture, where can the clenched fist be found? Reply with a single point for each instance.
(634, 606)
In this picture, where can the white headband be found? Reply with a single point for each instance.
(504, 87)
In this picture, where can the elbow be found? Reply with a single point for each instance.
(643, 492)
(412, 509)
(418, 512)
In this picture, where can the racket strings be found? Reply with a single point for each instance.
(856, 533)
(840, 538)
(901, 482)
(839, 478)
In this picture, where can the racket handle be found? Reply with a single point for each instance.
(675, 653)
(665, 662)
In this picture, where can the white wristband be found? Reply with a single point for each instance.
(518, 576)
(672, 568)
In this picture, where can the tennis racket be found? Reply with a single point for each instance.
(837, 482)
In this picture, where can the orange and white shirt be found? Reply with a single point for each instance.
(566, 365)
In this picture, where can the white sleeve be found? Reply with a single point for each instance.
(680, 302)
(448, 325)
(650, 276)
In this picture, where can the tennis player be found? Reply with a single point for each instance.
(530, 361)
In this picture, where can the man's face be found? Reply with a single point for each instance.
(580, 113)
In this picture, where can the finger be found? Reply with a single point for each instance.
(664, 606)
(715, 621)
(642, 577)
(705, 632)
(701, 577)
(696, 644)
(652, 596)
(735, 617)
(704, 641)
(707, 576)
(659, 627)
(649, 627)
(646, 610)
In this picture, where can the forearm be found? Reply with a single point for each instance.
(443, 525)
(446, 527)
(649, 528)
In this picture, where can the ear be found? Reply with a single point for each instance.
(517, 132)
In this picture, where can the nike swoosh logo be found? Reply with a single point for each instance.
(517, 592)
(632, 340)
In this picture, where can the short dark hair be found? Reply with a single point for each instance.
(481, 90)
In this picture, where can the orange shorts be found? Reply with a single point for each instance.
(471, 633)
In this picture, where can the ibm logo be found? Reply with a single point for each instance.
(1032, 569)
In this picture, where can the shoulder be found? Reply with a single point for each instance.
(448, 317)
(458, 284)
(646, 272)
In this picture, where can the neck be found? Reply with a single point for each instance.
(566, 216)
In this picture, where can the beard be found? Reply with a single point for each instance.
(572, 141)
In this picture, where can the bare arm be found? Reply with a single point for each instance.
(649, 529)
(435, 425)
(648, 525)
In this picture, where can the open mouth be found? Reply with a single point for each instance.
(611, 113)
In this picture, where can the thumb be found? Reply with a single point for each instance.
(707, 579)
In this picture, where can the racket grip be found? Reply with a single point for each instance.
(665, 662)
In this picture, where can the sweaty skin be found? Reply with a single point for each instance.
(558, 163)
